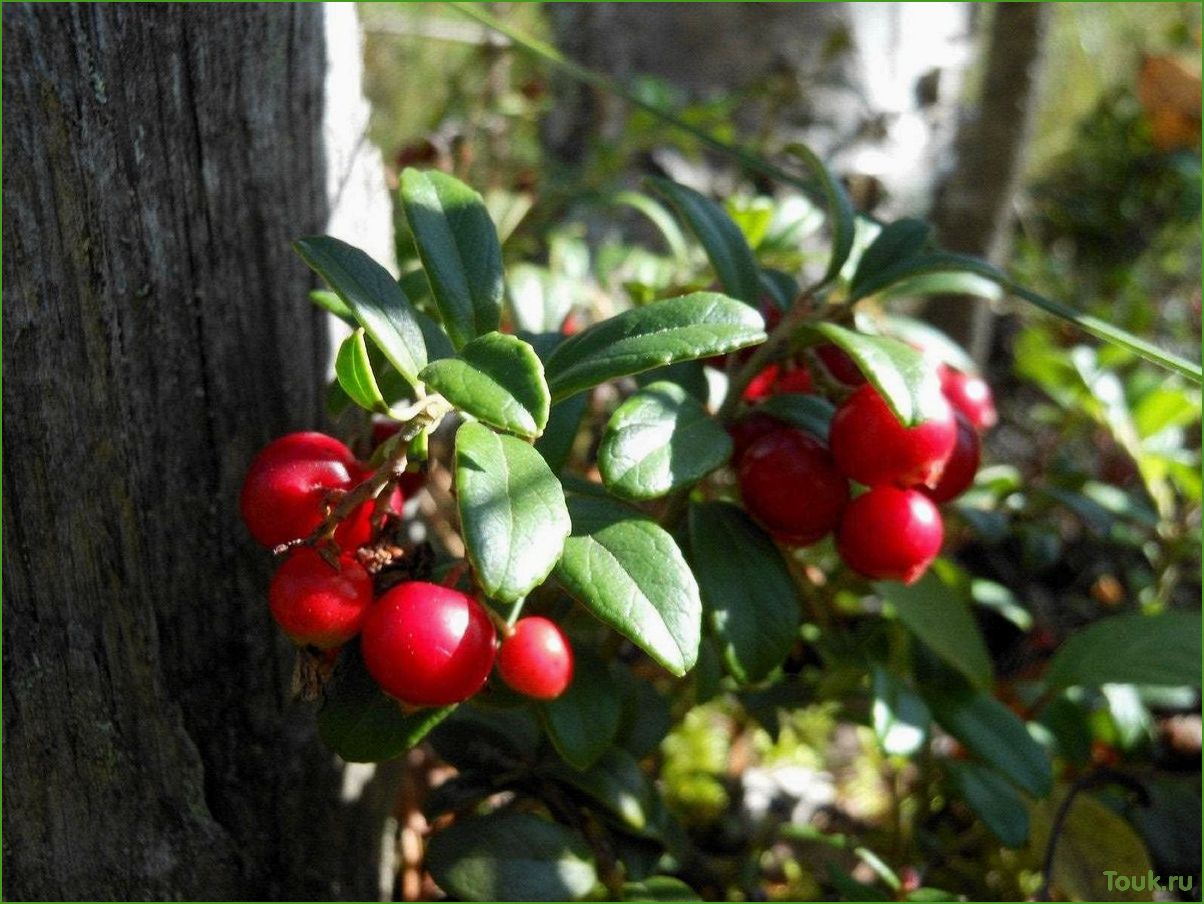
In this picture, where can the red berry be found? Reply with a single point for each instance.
(305, 446)
(790, 485)
(889, 533)
(840, 365)
(971, 396)
(536, 659)
(428, 645)
(748, 430)
(962, 465)
(283, 498)
(796, 380)
(317, 605)
(873, 448)
(761, 386)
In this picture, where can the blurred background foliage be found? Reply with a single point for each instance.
(1089, 505)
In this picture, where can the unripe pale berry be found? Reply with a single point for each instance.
(890, 534)
(791, 486)
(962, 464)
(971, 396)
(317, 605)
(872, 447)
(536, 659)
(428, 645)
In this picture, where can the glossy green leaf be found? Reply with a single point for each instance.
(539, 299)
(661, 218)
(945, 283)
(937, 610)
(512, 511)
(933, 341)
(617, 783)
(660, 439)
(647, 718)
(807, 412)
(559, 436)
(330, 301)
(459, 248)
(840, 209)
(490, 740)
(748, 593)
(900, 717)
(659, 888)
(498, 379)
(583, 721)
(920, 265)
(675, 329)
(353, 370)
(993, 800)
(373, 296)
(629, 573)
(780, 287)
(991, 731)
(897, 243)
(1162, 649)
(362, 724)
(905, 378)
(510, 856)
(721, 238)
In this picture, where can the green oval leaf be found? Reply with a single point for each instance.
(906, 379)
(512, 511)
(629, 572)
(808, 412)
(511, 856)
(921, 265)
(459, 249)
(353, 370)
(721, 238)
(373, 296)
(329, 301)
(658, 440)
(993, 800)
(617, 783)
(991, 731)
(840, 209)
(361, 723)
(498, 379)
(937, 609)
(564, 422)
(661, 218)
(675, 329)
(1161, 649)
(933, 341)
(583, 721)
(897, 243)
(900, 717)
(750, 598)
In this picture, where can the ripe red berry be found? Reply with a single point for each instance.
(748, 430)
(428, 645)
(971, 396)
(761, 386)
(840, 365)
(889, 533)
(536, 659)
(962, 464)
(317, 605)
(796, 380)
(283, 499)
(790, 485)
(872, 447)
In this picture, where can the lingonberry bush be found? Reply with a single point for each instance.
(758, 516)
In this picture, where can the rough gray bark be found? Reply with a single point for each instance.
(973, 211)
(158, 159)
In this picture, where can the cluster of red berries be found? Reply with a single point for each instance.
(423, 643)
(798, 488)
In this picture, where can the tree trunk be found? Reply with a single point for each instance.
(156, 333)
(973, 213)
